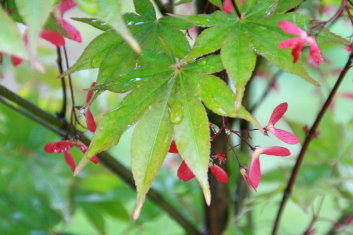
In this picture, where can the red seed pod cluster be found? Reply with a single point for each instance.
(315, 56)
(184, 173)
(64, 146)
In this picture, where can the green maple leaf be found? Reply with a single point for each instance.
(165, 100)
(110, 53)
(255, 32)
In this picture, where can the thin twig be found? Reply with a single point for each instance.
(273, 81)
(32, 117)
(287, 192)
(62, 112)
(57, 126)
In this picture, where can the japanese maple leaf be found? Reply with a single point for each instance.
(165, 98)
(240, 39)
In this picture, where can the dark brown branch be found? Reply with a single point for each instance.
(57, 126)
(62, 112)
(287, 192)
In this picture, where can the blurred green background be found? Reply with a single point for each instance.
(39, 195)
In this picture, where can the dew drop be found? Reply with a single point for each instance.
(176, 113)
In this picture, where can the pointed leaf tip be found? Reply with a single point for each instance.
(139, 203)
(206, 193)
(136, 213)
(81, 165)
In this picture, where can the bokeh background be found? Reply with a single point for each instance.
(39, 195)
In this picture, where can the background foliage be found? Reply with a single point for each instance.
(39, 195)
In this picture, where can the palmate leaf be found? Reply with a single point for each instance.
(114, 57)
(167, 98)
(150, 144)
(257, 31)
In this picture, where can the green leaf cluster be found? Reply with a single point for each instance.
(168, 87)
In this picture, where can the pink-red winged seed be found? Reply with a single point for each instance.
(285, 136)
(315, 56)
(274, 151)
(278, 113)
(291, 28)
(89, 94)
(255, 173)
(59, 146)
(66, 5)
(255, 166)
(228, 6)
(70, 160)
(91, 124)
(184, 173)
(219, 173)
(173, 148)
(16, 61)
(70, 30)
(53, 37)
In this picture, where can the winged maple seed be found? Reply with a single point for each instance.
(91, 124)
(173, 148)
(283, 135)
(184, 173)
(71, 31)
(255, 167)
(228, 6)
(315, 56)
(64, 146)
